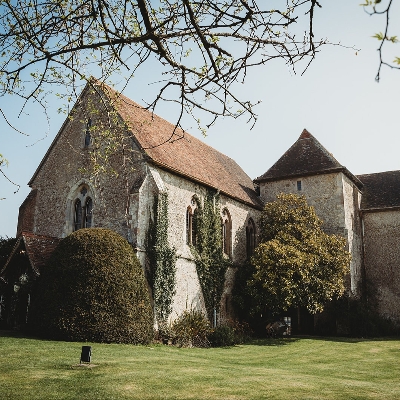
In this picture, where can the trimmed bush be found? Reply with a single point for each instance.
(222, 336)
(191, 329)
(93, 289)
(229, 334)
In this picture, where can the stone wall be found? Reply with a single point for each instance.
(351, 206)
(180, 193)
(382, 261)
(68, 165)
(26, 216)
(323, 192)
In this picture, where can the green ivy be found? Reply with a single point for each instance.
(161, 273)
(211, 265)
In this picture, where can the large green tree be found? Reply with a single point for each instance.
(296, 263)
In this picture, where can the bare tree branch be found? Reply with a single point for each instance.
(203, 47)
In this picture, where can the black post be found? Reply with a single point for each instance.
(86, 354)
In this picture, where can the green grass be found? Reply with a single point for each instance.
(296, 368)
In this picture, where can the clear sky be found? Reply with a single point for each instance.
(337, 100)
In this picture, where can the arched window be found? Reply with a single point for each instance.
(83, 209)
(87, 133)
(226, 223)
(191, 223)
(250, 238)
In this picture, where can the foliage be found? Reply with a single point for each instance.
(355, 317)
(297, 264)
(211, 265)
(222, 336)
(6, 246)
(230, 333)
(4, 163)
(162, 258)
(201, 48)
(244, 296)
(191, 329)
(379, 7)
(245, 299)
(93, 289)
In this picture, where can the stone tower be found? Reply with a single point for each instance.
(308, 169)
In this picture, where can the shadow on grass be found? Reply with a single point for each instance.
(273, 341)
(347, 339)
(293, 339)
(23, 335)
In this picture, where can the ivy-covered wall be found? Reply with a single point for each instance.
(189, 294)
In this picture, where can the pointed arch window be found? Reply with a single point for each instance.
(250, 238)
(191, 223)
(83, 210)
(226, 225)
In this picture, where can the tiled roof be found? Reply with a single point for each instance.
(182, 153)
(305, 157)
(381, 190)
(38, 248)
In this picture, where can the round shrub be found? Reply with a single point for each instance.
(222, 336)
(191, 329)
(93, 289)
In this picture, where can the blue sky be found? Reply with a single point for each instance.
(337, 100)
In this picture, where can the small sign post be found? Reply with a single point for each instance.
(86, 354)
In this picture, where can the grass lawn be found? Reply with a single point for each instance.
(292, 368)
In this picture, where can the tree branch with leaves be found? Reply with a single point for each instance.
(203, 47)
(377, 7)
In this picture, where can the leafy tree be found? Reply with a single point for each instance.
(93, 289)
(296, 262)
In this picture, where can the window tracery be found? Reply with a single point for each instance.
(83, 209)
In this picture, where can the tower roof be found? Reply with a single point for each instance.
(305, 157)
